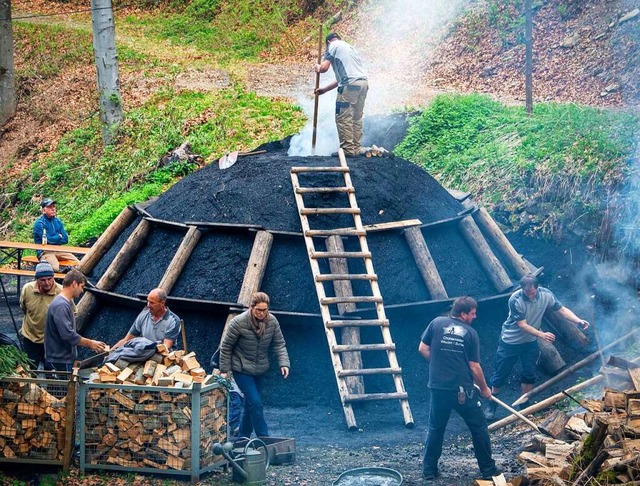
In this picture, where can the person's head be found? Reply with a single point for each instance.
(44, 277)
(529, 284)
(331, 37)
(157, 302)
(48, 207)
(259, 305)
(74, 283)
(464, 308)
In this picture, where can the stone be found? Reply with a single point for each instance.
(570, 41)
(629, 15)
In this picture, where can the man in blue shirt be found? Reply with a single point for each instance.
(49, 228)
(156, 322)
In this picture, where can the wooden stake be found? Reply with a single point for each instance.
(425, 263)
(180, 259)
(317, 96)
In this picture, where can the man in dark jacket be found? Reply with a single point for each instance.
(244, 350)
(49, 230)
(453, 349)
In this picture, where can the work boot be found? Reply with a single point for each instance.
(66, 269)
(429, 475)
(490, 411)
(488, 476)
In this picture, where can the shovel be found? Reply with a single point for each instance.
(531, 424)
(229, 159)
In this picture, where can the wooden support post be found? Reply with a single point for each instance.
(106, 240)
(509, 253)
(349, 335)
(492, 266)
(567, 330)
(425, 263)
(70, 420)
(88, 303)
(180, 259)
(550, 359)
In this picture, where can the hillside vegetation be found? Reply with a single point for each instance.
(551, 172)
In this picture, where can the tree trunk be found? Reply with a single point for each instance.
(8, 99)
(104, 48)
(528, 63)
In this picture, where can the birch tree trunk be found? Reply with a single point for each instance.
(104, 48)
(8, 99)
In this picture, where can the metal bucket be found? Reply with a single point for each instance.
(369, 476)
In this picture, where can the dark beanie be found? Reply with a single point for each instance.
(44, 269)
(331, 36)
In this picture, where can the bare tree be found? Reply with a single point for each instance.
(8, 100)
(104, 48)
(528, 57)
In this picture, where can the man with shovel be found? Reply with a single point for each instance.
(520, 333)
(352, 84)
(452, 347)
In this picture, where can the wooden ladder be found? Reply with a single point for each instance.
(334, 255)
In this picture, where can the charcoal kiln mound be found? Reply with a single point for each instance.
(228, 209)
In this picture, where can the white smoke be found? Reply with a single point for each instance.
(396, 39)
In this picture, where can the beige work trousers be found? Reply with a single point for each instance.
(53, 256)
(349, 109)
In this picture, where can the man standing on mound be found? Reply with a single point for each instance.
(352, 84)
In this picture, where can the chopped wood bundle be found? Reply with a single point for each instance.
(175, 369)
(607, 449)
(136, 427)
(32, 419)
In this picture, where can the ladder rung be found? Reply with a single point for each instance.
(311, 211)
(340, 254)
(297, 170)
(350, 299)
(345, 276)
(336, 232)
(370, 371)
(308, 190)
(376, 396)
(358, 323)
(345, 348)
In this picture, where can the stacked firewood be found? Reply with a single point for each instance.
(32, 420)
(603, 444)
(176, 369)
(138, 427)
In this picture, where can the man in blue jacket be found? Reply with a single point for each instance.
(48, 229)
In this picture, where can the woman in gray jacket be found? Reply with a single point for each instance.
(244, 349)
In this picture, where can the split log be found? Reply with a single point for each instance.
(122, 261)
(556, 423)
(349, 335)
(106, 240)
(179, 260)
(425, 263)
(487, 259)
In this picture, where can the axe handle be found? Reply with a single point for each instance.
(517, 414)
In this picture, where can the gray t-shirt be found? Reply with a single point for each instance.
(168, 327)
(531, 311)
(345, 61)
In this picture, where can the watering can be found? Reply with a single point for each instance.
(249, 464)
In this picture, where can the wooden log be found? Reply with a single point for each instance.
(550, 359)
(567, 330)
(591, 456)
(425, 263)
(571, 369)
(487, 259)
(88, 303)
(513, 259)
(106, 240)
(555, 423)
(349, 335)
(255, 267)
(179, 260)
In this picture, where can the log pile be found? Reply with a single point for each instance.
(602, 447)
(32, 419)
(136, 426)
(175, 369)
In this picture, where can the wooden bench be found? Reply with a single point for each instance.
(24, 273)
(63, 263)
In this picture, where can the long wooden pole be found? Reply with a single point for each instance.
(572, 369)
(317, 96)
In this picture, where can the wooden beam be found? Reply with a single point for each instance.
(349, 335)
(106, 240)
(567, 330)
(173, 271)
(491, 265)
(425, 263)
(122, 261)
(256, 267)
